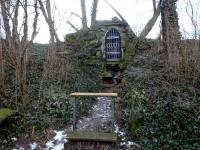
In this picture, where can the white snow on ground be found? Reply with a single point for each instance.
(33, 146)
(58, 141)
(124, 141)
(14, 139)
(120, 133)
(19, 148)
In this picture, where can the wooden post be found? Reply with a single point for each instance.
(113, 114)
(74, 114)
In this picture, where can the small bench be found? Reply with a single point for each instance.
(92, 136)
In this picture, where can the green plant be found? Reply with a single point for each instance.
(136, 103)
(169, 127)
(57, 105)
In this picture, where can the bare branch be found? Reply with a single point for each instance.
(5, 9)
(34, 33)
(94, 12)
(150, 23)
(25, 24)
(154, 6)
(84, 15)
(76, 29)
(192, 17)
(73, 13)
(47, 15)
(122, 18)
(15, 20)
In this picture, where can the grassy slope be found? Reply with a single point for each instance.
(161, 111)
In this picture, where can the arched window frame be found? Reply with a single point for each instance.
(113, 45)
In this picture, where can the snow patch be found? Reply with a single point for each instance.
(124, 142)
(14, 139)
(19, 148)
(58, 141)
(129, 144)
(33, 146)
(117, 130)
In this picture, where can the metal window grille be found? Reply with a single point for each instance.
(113, 45)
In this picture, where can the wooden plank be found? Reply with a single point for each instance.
(63, 53)
(95, 94)
(113, 114)
(92, 136)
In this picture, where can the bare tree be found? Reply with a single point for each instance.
(4, 7)
(192, 12)
(170, 32)
(148, 27)
(17, 44)
(94, 12)
(48, 17)
(149, 24)
(84, 15)
(2, 66)
(2, 86)
(117, 12)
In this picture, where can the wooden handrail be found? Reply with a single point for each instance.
(94, 94)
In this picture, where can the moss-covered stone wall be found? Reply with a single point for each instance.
(128, 39)
(89, 45)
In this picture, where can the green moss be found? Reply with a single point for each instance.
(93, 62)
(99, 54)
(129, 52)
(5, 113)
(112, 62)
(93, 42)
(104, 74)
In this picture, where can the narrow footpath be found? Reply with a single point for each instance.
(98, 120)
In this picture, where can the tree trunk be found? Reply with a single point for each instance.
(47, 15)
(170, 32)
(94, 12)
(16, 45)
(49, 20)
(154, 5)
(2, 86)
(23, 58)
(5, 17)
(151, 22)
(84, 15)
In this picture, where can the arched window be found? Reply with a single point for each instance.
(113, 45)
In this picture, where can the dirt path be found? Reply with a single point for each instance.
(98, 120)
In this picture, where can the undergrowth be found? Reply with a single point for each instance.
(161, 111)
